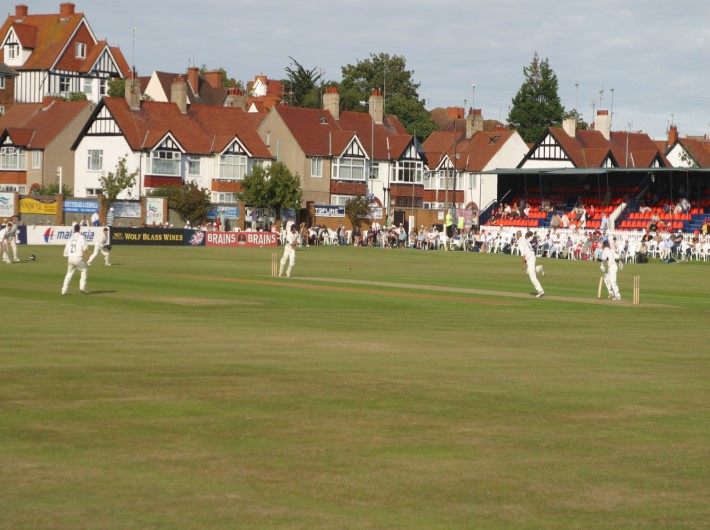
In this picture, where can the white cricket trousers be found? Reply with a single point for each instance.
(530, 269)
(72, 265)
(611, 285)
(290, 257)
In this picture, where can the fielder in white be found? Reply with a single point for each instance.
(289, 251)
(610, 272)
(527, 255)
(103, 245)
(4, 243)
(11, 239)
(75, 251)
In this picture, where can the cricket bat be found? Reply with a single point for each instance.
(599, 290)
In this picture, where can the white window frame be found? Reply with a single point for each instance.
(13, 51)
(224, 197)
(340, 200)
(64, 84)
(233, 167)
(316, 168)
(103, 86)
(165, 163)
(36, 159)
(2, 82)
(95, 160)
(13, 159)
(93, 192)
(349, 168)
(80, 50)
(408, 171)
(194, 163)
(87, 85)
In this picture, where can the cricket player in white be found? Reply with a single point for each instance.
(103, 245)
(289, 251)
(4, 243)
(75, 252)
(527, 255)
(610, 272)
(11, 239)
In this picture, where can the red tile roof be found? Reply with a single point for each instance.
(699, 150)
(474, 153)
(43, 121)
(203, 129)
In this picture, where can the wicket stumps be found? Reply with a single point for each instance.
(637, 290)
(274, 264)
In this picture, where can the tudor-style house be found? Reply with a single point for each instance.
(457, 158)
(35, 143)
(168, 144)
(568, 147)
(339, 155)
(57, 54)
(687, 151)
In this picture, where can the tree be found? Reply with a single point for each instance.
(304, 85)
(191, 202)
(116, 183)
(356, 208)
(388, 73)
(537, 105)
(577, 117)
(273, 187)
(50, 189)
(76, 96)
(117, 87)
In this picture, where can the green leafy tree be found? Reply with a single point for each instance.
(575, 115)
(304, 85)
(113, 184)
(117, 87)
(537, 105)
(273, 187)
(51, 189)
(76, 96)
(191, 202)
(356, 208)
(388, 73)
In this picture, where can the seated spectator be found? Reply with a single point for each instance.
(644, 209)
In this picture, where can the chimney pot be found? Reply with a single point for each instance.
(672, 135)
(214, 78)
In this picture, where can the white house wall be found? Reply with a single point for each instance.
(678, 157)
(114, 148)
(155, 89)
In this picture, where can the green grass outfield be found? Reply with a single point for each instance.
(375, 389)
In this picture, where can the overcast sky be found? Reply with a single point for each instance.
(653, 54)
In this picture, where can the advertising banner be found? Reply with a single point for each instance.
(127, 209)
(59, 235)
(241, 239)
(228, 212)
(154, 211)
(175, 237)
(41, 206)
(7, 204)
(328, 210)
(375, 213)
(81, 206)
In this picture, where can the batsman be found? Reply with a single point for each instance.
(289, 256)
(610, 270)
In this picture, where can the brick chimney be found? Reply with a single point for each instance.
(214, 78)
(178, 93)
(132, 91)
(331, 101)
(236, 98)
(672, 135)
(602, 123)
(570, 126)
(376, 106)
(21, 11)
(193, 79)
(474, 122)
(66, 9)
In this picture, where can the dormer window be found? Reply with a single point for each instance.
(13, 51)
(80, 50)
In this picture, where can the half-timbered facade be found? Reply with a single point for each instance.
(457, 158)
(340, 155)
(57, 54)
(214, 147)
